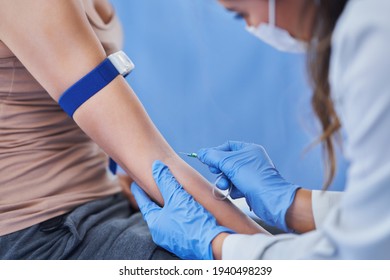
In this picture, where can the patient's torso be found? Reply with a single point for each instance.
(48, 166)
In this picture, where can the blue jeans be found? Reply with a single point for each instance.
(103, 229)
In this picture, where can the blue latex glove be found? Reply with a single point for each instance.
(182, 226)
(254, 177)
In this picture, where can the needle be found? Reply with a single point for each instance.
(193, 155)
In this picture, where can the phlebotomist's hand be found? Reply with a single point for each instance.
(182, 226)
(254, 177)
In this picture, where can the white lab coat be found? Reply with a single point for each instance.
(358, 226)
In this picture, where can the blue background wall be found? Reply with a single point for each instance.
(204, 80)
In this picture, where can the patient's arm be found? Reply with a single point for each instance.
(135, 143)
(55, 42)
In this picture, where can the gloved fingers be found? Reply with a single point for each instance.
(164, 180)
(214, 170)
(230, 146)
(145, 204)
(222, 182)
(236, 193)
(211, 157)
(224, 147)
(236, 145)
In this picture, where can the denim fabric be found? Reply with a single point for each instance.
(103, 229)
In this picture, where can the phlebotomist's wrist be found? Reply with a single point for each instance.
(299, 216)
(217, 244)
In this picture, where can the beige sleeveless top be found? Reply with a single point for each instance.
(48, 166)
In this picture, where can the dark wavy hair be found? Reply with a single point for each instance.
(320, 50)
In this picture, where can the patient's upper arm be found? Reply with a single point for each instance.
(53, 39)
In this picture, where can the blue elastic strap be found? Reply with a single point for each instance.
(113, 166)
(87, 87)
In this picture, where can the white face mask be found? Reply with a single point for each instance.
(277, 37)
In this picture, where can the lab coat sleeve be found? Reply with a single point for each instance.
(359, 226)
(322, 203)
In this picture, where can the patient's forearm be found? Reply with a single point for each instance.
(115, 119)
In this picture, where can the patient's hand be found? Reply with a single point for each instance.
(125, 183)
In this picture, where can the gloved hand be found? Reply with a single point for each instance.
(182, 226)
(254, 177)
